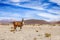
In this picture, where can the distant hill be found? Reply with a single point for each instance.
(6, 21)
(58, 22)
(55, 22)
(34, 21)
(30, 21)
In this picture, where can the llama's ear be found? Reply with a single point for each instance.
(22, 19)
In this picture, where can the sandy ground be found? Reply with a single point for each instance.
(30, 32)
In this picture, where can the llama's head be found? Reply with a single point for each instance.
(23, 20)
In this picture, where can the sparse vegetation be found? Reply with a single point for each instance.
(47, 35)
(33, 24)
(11, 27)
(58, 24)
(36, 30)
(38, 24)
(2, 39)
(53, 24)
(35, 38)
(39, 35)
(11, 30)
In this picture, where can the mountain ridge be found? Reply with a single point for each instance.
(30, 21)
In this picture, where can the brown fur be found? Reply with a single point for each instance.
(18, 24)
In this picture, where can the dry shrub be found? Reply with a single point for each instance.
(59, 24)
(40, 28)
(53, 24)
(39, 35)
(11, 27)
(33, 24)
(2, 39)
(38, 24)
(36, 30)
(35, 38)
(12, 30)
(47, 35)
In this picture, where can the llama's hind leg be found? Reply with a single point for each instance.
(20, 28)
(15, 28)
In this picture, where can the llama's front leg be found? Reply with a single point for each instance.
(20, 28)
(15, 28)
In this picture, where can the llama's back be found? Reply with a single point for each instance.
(17, 23)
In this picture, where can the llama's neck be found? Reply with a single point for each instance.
(22, 21)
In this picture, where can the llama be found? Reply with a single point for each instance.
(18, 24)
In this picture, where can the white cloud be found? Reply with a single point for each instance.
(11, 18)
(18, 0)
(50, 16)
(56, 1)
(40, 7)
(6, 15)
(54, 11)
(5, 18)
(15, 15)
(15, 0)
(37, 7)
(30, 6)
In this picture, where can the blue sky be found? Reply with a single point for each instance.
(48, 10)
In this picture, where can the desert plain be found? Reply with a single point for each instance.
(30, 32)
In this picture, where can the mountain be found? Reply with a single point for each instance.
(30, 21)
(34, 21)
(55, 22)
(6, 21)
(58, 22)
